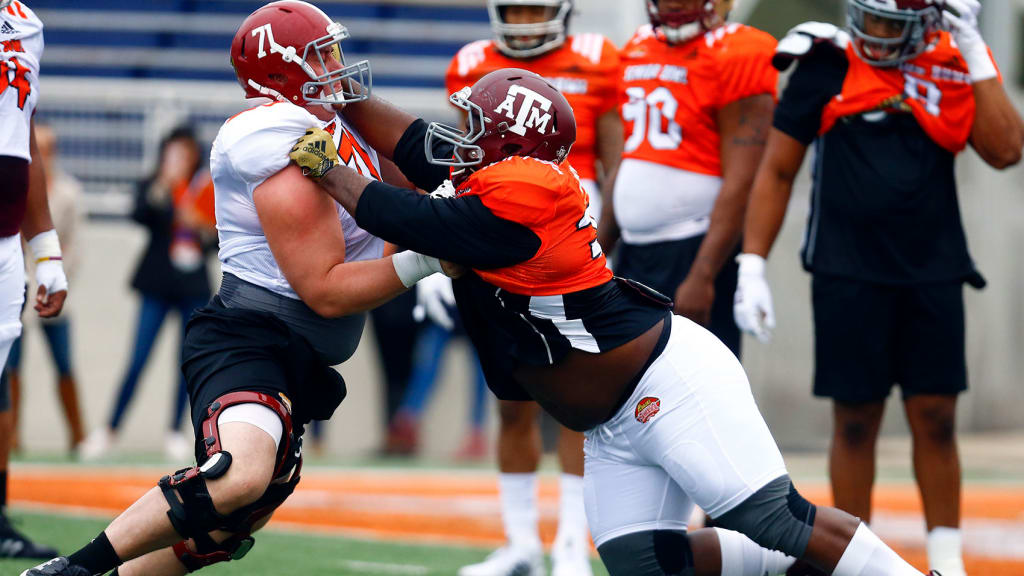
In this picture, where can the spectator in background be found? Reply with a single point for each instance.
(176, 206)
(434, 336)
(63, 192)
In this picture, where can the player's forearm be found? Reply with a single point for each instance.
(379, 122)
(998, 133)
(609, 150)
(37, 209)
(723, 233)
(766, 210)
(608, 229)
(345, 186)
(353, 287)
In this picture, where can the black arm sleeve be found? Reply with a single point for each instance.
(411, 158)
(818, 77)
(460, 230)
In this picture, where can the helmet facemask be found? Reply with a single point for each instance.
(911, 32)
(334, 83)
(683, 25)
(533, 39)
(5, 3)
(466, 153)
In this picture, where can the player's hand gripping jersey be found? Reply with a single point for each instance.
(253, 146)
(885, 207)
(670, 96)
(583, 69)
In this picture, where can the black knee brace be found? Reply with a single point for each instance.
(192, 513)
(777, 517)
(650, 553)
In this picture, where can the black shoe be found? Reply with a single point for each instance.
(56, 567)
(13, 544)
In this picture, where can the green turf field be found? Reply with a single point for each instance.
(276, 553)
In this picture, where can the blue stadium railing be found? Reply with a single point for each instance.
(409, 43)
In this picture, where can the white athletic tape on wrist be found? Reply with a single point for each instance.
(751, 264)
(45, 246)
(412, 267)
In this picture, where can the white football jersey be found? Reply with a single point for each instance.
(253, 146)
(21, 48)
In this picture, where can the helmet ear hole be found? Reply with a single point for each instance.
(279, 78)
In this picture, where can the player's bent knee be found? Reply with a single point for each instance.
(776, 517)
(649, 553)
(246, 494)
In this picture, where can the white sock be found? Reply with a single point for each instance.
(867, 555)
(945, 551)
(519, 509)
(572, 515)
(741, 556)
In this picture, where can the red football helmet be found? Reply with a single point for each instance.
(510, 112)
(290, 50)
(890, 32)
(682, 25)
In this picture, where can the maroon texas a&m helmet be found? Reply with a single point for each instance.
(510, 112)
(291, 51)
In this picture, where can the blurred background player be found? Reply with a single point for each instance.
(63, 193)
(533, 35)
(697, 97)
(24, 209)
(175, 205)
(888, 107)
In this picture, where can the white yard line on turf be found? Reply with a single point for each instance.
(383, 568)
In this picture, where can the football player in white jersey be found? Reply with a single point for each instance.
(23, 212)
(298, 276)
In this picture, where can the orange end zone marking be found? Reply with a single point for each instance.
(450, 509)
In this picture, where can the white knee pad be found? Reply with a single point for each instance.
(256, 414)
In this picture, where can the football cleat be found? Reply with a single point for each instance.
(57, 567)
(508, 561)
(13, 544)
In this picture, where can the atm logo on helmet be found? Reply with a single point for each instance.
(533, 113)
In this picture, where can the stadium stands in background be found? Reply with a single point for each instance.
(117, 73)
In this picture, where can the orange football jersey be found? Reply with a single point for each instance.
(935, 87)
(549, 200)
(671, 93)
(583, 69)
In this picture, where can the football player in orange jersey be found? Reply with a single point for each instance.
(697, 95)
(533, 35)
(888, 107)
(669, 418)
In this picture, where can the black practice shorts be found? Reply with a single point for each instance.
(233, 350)
(869, 337)
(664, 265)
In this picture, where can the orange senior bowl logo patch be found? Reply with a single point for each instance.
(647, 409)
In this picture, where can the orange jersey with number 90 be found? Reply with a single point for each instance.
(671, 93)
(583, 70)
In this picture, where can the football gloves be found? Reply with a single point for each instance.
(960, 17)
(752, 305)
(434, 299)
(315, 153)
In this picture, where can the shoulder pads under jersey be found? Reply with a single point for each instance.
(803, 39)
